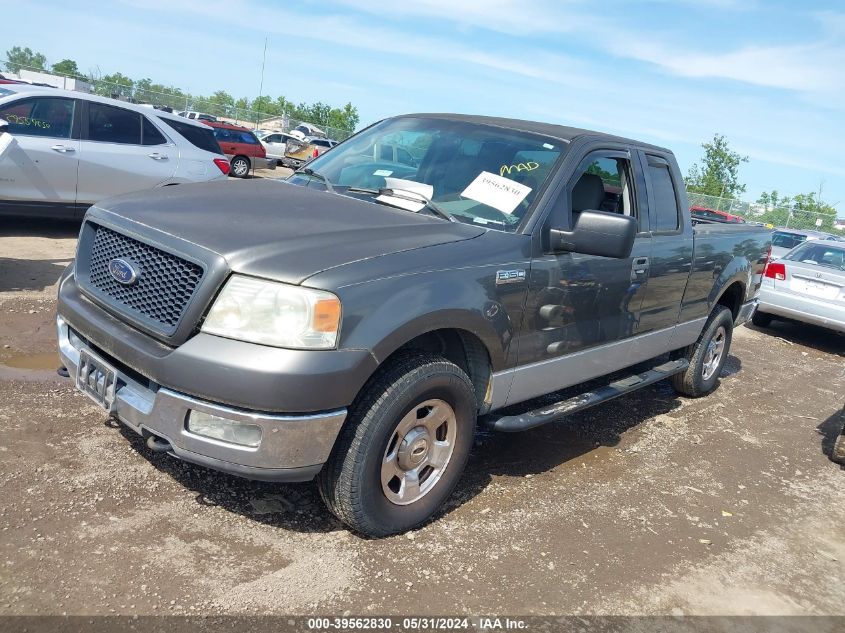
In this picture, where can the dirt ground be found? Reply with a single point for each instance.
(651, 504)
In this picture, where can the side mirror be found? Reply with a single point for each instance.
(597, 233)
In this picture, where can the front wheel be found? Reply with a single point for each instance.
(404, 447)
(240, 166)
(707, 356)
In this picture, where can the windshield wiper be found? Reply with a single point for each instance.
(317, 176)
(411, 196)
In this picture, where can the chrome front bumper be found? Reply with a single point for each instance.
(292, 447)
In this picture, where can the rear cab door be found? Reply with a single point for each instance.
(671, 242)
(40, 167)
(121, 151)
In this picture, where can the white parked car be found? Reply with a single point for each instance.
(66, 150)
(274, 143)
(197, 116)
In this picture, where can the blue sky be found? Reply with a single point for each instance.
(769, 75)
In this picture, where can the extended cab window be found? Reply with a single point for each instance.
(108, 124)
(40, 116)
(664, 199)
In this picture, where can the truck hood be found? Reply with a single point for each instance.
(280, 231)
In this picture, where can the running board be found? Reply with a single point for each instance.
(558, 410)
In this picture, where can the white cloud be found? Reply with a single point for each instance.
(813, 67)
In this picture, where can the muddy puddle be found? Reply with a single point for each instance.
(40, 362)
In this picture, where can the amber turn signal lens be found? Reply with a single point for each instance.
(326, 315)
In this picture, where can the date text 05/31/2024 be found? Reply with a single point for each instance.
(416, 623)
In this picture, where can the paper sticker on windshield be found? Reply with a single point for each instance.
(409, 194)
(382, 172)
(497, 192)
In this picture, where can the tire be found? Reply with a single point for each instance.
(240, 167)
(384, 437)
(761, 319)
(702, 375)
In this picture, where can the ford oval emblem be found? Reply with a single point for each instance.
(123, 271)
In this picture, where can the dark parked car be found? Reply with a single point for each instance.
(353, 323)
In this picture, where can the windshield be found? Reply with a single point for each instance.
(478, 174)
(821, 253)
(787, 240)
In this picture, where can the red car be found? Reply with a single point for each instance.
(703, 213)
(244, 150)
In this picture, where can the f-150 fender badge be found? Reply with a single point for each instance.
(509, 276)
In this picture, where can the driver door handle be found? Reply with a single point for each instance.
(62, 149)
(639, 269)
(157, 156)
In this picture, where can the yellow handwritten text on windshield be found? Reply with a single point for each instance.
(507, 169)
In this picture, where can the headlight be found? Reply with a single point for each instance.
(272, 313)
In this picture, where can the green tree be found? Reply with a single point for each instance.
(67, 67)
(265, 106)
(346, 118)
(115, 85)
(718, 174)
(17, 58)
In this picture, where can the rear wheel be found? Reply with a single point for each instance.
(761, 319)
(707, 356)
(404, 448)
(240, 166)
(837, 454)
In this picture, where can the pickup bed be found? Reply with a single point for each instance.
(356, 322)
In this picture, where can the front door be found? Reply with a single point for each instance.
(580, 303)
(39, 169)
(121, 151)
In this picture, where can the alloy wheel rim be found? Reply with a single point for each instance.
(713, 353)
(419, 450)
(239, 167)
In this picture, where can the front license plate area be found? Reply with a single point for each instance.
(96, 379)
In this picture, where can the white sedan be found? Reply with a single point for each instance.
(62, 150)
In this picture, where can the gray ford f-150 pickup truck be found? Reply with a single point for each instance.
(355, 322)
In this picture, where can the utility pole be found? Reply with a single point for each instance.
(261, 85)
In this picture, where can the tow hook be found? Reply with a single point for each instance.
(158, 444)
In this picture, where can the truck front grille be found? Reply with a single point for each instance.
(165, 282)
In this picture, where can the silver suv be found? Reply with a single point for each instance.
(62, 151)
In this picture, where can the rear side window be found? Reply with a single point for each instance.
(200, 137)
(40, 116)
(108, 124)
(150, 134)
(245, 137)
(664, 202)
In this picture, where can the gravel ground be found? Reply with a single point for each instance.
(651, 504)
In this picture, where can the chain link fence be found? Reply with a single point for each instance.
(178, 101)
(787, 215)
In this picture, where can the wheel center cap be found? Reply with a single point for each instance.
(414, 448)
